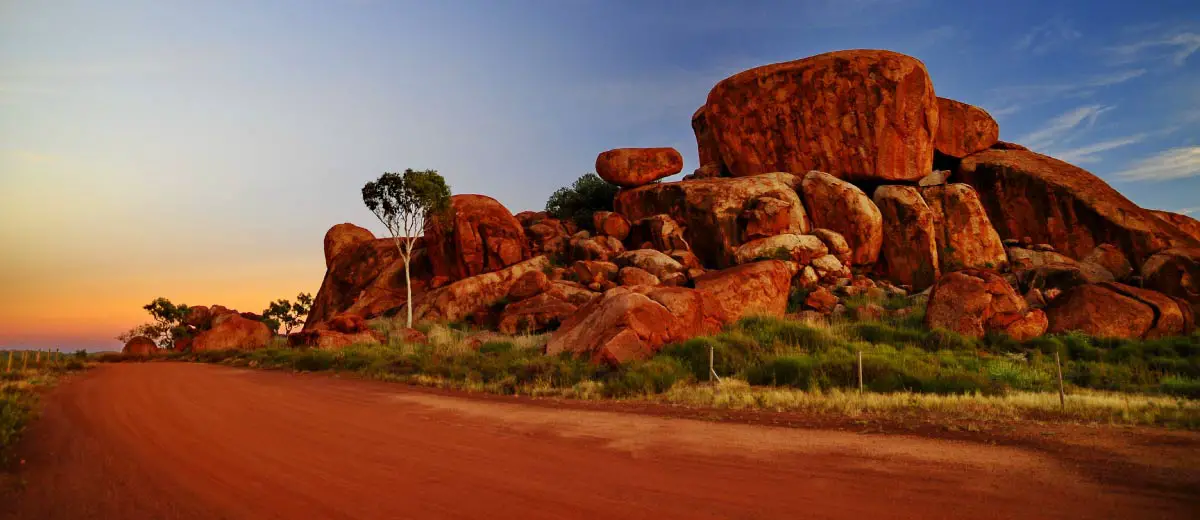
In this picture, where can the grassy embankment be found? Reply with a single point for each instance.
(785, 364)
(22, 375)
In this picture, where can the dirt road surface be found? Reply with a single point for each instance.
(167, 440)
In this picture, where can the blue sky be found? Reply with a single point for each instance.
(199, 150)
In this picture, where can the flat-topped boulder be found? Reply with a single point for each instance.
(863, 114)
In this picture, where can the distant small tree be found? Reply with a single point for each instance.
(403, 203)
(168, 322)
(287, 314)
(587, 195)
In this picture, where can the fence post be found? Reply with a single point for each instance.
(9, 367)
(712, 370)
(860, 377)
(24, 360)
(1062, 395)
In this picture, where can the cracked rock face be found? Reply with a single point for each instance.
(1114, 310)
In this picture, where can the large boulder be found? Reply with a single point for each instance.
(367, 278)
(709, 211)
(863, 114)
(633, 167)
(755, 288)
(973, 302)
(1188, 225)
(1051, 202)
(909, 237)
(477, 236)
(1175, 272)
(232, 331)
(332, 339)
(478, 293)
(631, 323)
(965, 236)
(341, 237)
(140, 345)
(843, 207)
(1114, 310)
(963, 129)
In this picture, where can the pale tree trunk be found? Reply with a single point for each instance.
(408, 290)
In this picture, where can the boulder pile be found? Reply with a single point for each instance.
(821, 179)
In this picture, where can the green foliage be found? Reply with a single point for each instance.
(653, 376)
(587, 195)
(404, 203)
(168, 320)
(796, 300)
(287, 314)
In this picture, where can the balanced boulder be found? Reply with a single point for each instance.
(633, 167)
(864, 114)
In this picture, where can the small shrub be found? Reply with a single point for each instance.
(654, 376)
(1181, 386)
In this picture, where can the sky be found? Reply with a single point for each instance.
(200, 150)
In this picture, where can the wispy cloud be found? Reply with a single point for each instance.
(1175, 47)
(1188, 211)
(1060, 127)
(1047, 36)
(1017, 97)
(1089, 154)
(1175, 163)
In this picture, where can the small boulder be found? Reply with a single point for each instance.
(973, 302)
(140, 345)
(592, 271)
(821, 300)
(610, 224)
(347, 324)
(633, 167)
(788, 247)
(1175, 272)
(652, 261)
(635, 276)
(767, 216)
(528, 285)
(835, 242)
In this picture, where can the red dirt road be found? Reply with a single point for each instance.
(166, 440)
